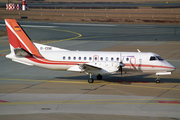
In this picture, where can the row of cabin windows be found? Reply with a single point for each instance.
(90, 58)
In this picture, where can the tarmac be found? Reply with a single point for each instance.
(36, 93)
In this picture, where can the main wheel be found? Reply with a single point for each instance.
(90, 80)
(99, 77)
(157, 81)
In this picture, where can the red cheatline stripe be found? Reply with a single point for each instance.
(44, 61)
(3, 101)
(156, 66)
(174, 102)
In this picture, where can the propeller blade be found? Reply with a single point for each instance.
(121, 70)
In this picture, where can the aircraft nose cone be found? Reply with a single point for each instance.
(172, 68)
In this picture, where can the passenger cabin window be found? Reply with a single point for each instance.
(90, 58)
(117, 59)
(64, 58)
(79, 58)
(95, 58)
(84, 58)
(69, 58)
(112, 59)
(101, 58)
(74, 58)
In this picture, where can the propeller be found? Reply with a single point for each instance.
(121, 64)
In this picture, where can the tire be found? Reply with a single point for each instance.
(90, 80)
(99, 77)
(157, 81)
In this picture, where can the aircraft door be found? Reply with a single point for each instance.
(132, 63)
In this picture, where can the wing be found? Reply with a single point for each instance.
(96, 67)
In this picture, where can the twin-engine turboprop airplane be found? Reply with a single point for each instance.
(24, 51)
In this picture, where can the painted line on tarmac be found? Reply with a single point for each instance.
(23, 80)
(79, 35)
(77, 82)
(86, 24)
(5, 50)
(127, 35)
(102, 101)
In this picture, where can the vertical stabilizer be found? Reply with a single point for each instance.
(19, 39)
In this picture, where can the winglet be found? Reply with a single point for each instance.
(19, 39)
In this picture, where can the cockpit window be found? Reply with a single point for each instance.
(159, 58)
(152, 58)
(155, 58)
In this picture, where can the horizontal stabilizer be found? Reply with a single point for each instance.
(20, 52)
(22, 62)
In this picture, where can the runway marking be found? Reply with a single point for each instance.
(86, 24)
(77, 82)
(98, 101)
(126, 35)
(22, 79)
(5, 50)
(173, 60)
(3, 101)
(175, 102)
(79, 35)
(2, 54)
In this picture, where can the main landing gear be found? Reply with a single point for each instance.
(91, 80)
(157, 79)
(99, 77)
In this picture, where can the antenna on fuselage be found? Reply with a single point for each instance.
(138, 50)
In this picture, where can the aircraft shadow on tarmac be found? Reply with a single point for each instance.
(123, 79)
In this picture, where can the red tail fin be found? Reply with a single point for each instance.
(19, 39)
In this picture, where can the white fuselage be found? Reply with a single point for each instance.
(68, 60)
